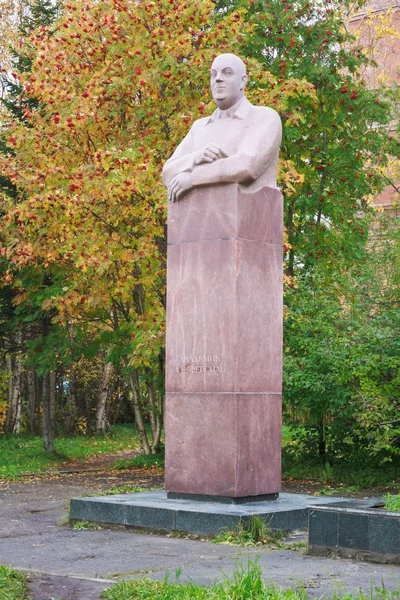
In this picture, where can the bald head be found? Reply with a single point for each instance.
(228, 80)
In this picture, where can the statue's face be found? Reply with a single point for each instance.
(228, 80)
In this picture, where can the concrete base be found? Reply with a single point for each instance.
(355, 529)
(153, 510)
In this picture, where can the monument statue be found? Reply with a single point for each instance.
(238, 143)
(224, 301)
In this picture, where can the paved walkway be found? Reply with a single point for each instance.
(65, 564)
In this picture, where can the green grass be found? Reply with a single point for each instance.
(13, 585)
(247, 584)
(255, 532)
(392, 502)
(25, 454)
(142, 461)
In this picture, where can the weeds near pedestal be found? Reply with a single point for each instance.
(85, 526)
(255, 532)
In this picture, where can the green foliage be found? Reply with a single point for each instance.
(85, 526)
(143, 461)
(341, 338)
(392, 502)
(13, 585)
(25, 454)
(247, 584)
(342, 351)
(252, 532)
(300, 460)
(330, 145)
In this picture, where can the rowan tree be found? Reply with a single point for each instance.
(23, 385)
(117, 85)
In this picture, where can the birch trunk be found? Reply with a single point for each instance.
(102, 424)
(14, 367)
(155, 416)
(70, 408)
(134, 398)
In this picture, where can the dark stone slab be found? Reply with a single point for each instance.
(97, 510)
(153, 510)
(150, 517)
(222, 499)
(204, 522)
(289, 519)
(384, 533)
(355, 528)
(323, 528)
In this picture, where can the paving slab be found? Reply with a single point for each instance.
(76, 565)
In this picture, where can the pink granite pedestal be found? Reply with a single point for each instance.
(224, 344)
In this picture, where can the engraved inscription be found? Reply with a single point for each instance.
(201, 363)
(200, 358)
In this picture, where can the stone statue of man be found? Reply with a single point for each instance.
(238, 143)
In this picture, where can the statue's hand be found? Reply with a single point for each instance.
(207, 154)
(180, 184)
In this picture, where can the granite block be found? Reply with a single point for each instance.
(361, 531)
(205, 522)
(201, 450)
(384, 533)
(223, 444)
(258, 426)
(353, 530)
(323, 528)
(153, 510)
(224, 343)
(88, 509)
(296, 518)
(226, 211)
(150, 517)
(224, 317)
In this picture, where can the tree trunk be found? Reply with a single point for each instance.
(102, 424)
(322, 442)
(134, 398)
(155, 416)
(48, 399)
(48, 413)
(52, 406)
(70, 408)
(14, 367)
(32, 404)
